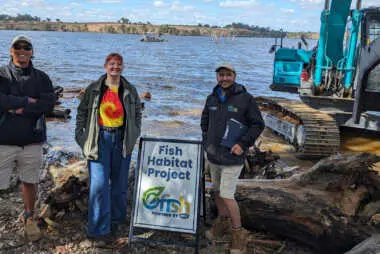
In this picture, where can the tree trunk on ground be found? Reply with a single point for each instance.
(324, 208)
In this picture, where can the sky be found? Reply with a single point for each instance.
(290, 15)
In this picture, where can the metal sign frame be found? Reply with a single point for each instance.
(200, 185)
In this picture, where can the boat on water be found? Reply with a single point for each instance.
(152, 38)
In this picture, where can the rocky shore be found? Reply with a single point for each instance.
(67, 232)
(63, 220)
(62, 205)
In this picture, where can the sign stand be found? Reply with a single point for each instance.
(169, 189)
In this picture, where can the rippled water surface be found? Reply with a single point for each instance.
(178, 73)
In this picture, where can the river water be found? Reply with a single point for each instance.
(179, 73)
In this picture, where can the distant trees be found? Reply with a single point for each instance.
(19, 17)
(166, 29)
(124, 20)
(254, 30)
(204, 25)
(125, 26)
(24, 17)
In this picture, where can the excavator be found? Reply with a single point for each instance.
(338, 81)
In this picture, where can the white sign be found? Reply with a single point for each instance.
(168, 185)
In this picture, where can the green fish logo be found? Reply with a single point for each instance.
(151, 197)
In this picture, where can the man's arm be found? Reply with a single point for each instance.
(255, 125)
(7, 101)
(45, 102)
(204, 124)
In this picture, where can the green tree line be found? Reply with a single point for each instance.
(19, 17)
(125, 26)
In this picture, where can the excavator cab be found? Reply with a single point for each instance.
(288, 65)
(367, 81)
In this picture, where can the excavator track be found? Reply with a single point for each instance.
(313, 133)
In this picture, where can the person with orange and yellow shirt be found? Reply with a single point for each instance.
(107, 126)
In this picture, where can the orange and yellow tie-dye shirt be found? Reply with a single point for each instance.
(111, 113)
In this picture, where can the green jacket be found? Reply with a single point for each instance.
(87, 128)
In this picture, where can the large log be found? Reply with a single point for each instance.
(325, 208)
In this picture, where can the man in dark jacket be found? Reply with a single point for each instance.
(26, 94)
(231, 122)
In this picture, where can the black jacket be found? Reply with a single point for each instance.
(239, 105)
(87, 127)
(16, 85)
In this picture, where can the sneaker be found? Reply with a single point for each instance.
(31, 230)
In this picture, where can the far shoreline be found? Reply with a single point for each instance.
(140, 29)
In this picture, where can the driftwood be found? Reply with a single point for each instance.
(60, 113)
(326, 208)
(69, 196)
(331, 208)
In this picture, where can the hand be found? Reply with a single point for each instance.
(18, 111)
(236, 149)
(32, 100)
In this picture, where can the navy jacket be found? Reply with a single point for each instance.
(16, 85)
(239, 105)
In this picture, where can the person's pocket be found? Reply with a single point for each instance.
(210, 149)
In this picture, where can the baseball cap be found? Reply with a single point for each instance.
(21, 38)
(226, 66)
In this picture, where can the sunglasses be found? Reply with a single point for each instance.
(24, 47)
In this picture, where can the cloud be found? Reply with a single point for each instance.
(307, 2)
(159, 4)
(105, 1)
(238, 4)
(176, 6)
(370, 3)
(283, 10)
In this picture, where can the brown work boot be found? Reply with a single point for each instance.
(220, 227)
(31, 230)
(239, 241)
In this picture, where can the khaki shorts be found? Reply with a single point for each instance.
(224, 179)
(27, 160)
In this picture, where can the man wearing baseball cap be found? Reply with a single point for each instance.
(231, 122)
(26, 94)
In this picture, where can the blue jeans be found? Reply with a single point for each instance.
(108, 185)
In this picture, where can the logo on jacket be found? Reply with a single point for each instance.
(232, 109)
(213, 108)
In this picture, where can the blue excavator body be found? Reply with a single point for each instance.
(338, 81)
